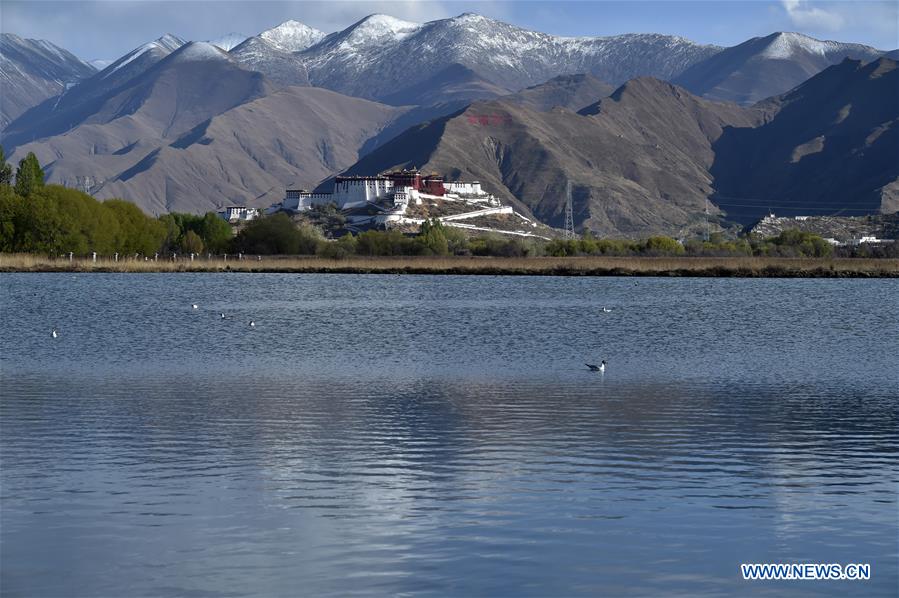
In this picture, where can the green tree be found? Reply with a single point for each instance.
(431, 238)
(191, 243)
(392, 242)
(29, 176)
(10, 214)
(343, 247)
(662, 246)
(172, 240)
(138, 233)
(456, 240)
(5, 170)
(277, 234)
(216, 234)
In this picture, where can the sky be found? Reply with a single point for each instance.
(109, 28)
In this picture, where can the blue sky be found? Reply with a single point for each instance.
(108, 29)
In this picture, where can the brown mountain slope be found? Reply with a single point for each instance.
(832, 147)
(567, 91)
(246, 155)
(637, 161)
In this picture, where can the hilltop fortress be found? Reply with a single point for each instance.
(404, 199)
(399, 187)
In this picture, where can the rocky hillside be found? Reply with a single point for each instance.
(244, 155)
(567, 91)
(637, 161)
(646, 158)
(831, 147)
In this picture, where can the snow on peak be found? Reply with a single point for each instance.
(168, 42)
(378, 27)
(292, 36)
(785, 45)
(100, 63)
(472, 17)
(165, 45)
(194, 51)
(228, 41)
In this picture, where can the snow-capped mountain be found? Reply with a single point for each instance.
(292, 36)
(139, 59)
(278, 65)
(32, 70)
(765, 66)
(228, 41)
(198, 51)
(77, 103)
(380, 55)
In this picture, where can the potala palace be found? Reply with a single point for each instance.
(406, 197)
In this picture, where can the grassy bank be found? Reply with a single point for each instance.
(553, 266)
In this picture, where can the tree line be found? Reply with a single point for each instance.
(39, 218)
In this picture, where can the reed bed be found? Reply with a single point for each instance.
(552, 266)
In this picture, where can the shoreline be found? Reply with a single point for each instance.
(712, 267)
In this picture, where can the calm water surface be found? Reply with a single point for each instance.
(440, 435)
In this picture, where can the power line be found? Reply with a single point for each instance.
(769, 206)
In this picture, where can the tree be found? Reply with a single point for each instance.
(138, 233)
(343, 247)
(10, 214)
(29, 176)
(432, 239)
(215, 232)
(662, 246)
(191, 243)
(5, 170)
(277, 234)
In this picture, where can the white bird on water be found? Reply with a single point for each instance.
(606, 310)
(53, 333)
(252, 324)
(195, 306)
(597, 368)
(223, 316)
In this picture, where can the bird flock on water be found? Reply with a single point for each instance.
(600, 367)
(54, 333)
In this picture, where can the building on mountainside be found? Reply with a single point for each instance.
(404, 199)
(239, 213)
(837, 230)
(397, 188)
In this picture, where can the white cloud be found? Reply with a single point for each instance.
(802, 15)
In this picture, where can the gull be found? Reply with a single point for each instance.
(223, 316)
(194, 305)
(252, 324)
(606, 310)
(597, 368)
(53, 333)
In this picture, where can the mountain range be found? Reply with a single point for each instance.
(193, 126)
(652, 157)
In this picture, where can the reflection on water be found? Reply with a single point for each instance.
(440, 435)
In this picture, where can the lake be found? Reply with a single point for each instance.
(440, 435)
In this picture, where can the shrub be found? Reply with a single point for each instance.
(277, 234)
(343, 247)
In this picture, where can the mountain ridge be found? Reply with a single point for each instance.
(32, 70)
